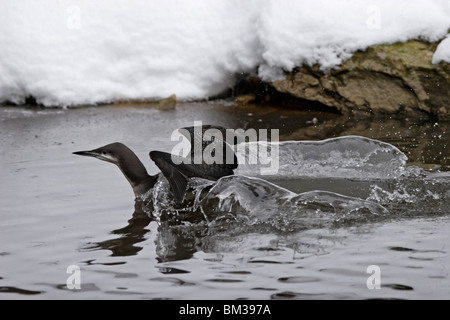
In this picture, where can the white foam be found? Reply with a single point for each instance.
(71, 52)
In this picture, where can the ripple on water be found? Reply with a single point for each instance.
(341, 272)
(295, 295)
(225, 280)
(170, 270)
(123, 291)
(399, 287)
(84, 287)
(295, 279)
(401, 249)
(7, 289)
(428, 255)
(237, 272)
(267, 261)
(264, 289)
(173, 281)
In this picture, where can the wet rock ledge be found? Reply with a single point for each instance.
(383, 79)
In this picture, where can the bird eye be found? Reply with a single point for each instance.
(103, 152)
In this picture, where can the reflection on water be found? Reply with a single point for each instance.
(129, 236)
(178, 243)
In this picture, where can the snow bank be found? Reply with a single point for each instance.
(443, 51)
(71, 52)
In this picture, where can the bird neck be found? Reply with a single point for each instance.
(144, 185)
(136, 174)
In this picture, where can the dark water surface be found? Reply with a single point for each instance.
(309, 233)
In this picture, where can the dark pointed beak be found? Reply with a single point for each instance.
(87, 153)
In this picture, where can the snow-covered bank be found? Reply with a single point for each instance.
(443, 51)
(70, 52)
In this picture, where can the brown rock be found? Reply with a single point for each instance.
(384, 79)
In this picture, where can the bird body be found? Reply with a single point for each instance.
(176, 172)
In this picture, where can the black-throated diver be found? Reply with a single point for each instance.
(177, 174)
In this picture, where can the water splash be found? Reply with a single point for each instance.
(416, 193)
(254, 201)
(393, 189)
(344, 157)
(240, 213)
(258, 201)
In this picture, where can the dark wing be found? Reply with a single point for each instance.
(177, 180)
(179, 173)
(206, 171)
